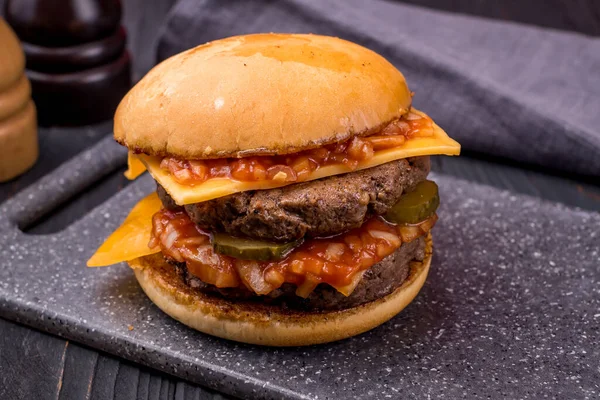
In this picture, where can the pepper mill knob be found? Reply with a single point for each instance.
(62, 23)
(76, 57)
(18, 127)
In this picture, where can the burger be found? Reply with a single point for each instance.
(292, 205)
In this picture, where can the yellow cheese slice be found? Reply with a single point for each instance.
(349, 288)
(131, 239)
(134, 167)
(439, 143)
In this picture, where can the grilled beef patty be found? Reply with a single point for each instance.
(379, 281)
(319, 208)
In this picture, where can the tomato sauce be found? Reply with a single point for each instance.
(335, 260)
(298, 166)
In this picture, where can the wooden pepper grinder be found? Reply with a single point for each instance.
(18, 127)
(76, 57)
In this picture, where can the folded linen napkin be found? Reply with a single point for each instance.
(503, 89)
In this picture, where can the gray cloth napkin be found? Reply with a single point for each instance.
(502, 89)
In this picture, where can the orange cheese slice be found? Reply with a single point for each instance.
(131, 239)
(439, 143)
(134, 167)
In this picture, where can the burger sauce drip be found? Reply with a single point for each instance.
(336, 260)
(297, 167)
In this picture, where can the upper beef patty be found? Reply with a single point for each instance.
(319, 208)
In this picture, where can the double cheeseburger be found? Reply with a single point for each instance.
(292, 205)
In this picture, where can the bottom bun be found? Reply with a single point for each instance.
(269, 325)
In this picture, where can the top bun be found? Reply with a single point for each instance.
(260, 94)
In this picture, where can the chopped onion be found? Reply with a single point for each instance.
(280, 177)
(426, 225)
(281, 173)
(297, 266)
(252, 276)
(313, 265)
(274, 277)
(259, 173)
(383, 250)
(309, 284)
(422, 132)
(385, 142)
(409, 233)
(170, 238)
(367, 259)
(214, 274)
(349, 288)
(353, 242)
(303, 167)
(176, 255)
(199, 169)
(182, 175)
(226, 279)
(387, 236)
(411, 116)
(201, 254)
(403, 126)
(153, 242)
(334, 252)
(193, 241)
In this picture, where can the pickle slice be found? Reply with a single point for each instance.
(415, 206)
(249, 249)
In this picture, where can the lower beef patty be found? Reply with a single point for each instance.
(380, 280)
(319, 208)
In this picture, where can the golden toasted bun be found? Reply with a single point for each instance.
(260, 94)
(267, 324)
(12, 59)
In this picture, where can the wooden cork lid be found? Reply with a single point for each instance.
(12, 59)
(77, 61)
(18, 126)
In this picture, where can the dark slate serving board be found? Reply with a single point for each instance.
(511, 307)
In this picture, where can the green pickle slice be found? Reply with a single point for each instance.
(415, 206)
(249, 249)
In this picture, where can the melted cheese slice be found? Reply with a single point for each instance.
(134, 167)
(439, 143)
(131, 239)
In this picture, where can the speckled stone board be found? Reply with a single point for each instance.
(511, 308)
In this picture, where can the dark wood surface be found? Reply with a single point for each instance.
(35, 365)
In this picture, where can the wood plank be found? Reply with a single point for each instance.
(31, 363)
(80, 364)
(126, 383)
(104, 379)
(36, 365)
